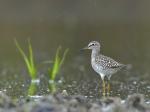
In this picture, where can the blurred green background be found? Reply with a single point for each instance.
(122, 26)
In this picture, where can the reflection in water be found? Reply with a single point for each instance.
(32, 89)
(52, 87)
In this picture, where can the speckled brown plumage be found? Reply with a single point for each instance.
(107, 62)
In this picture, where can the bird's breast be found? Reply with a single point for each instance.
(95, 66)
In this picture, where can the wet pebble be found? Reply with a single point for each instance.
(76, 103)
(6, 102)
(49, 108)
(135, 103)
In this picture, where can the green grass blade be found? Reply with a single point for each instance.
(23, 55)
(63, 58)
(55, 69)
(31, 59)
(31, 54)
(56, 64)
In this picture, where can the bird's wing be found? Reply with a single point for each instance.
(108, 62)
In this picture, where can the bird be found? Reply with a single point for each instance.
(103, 65)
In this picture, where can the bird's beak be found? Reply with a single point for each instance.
(84, 48)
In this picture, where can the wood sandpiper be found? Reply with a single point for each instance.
(103, 65)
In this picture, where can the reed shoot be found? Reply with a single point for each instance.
(58, 61)
(29, 60)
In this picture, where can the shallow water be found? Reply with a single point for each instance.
(76, 75)
(122, 37)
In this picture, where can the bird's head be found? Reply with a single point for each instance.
(93, 45)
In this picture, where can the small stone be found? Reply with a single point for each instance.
(94, 108)
(64, 93)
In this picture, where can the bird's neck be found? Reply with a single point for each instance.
(95, 52)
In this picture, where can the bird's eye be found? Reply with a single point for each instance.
(92, 45)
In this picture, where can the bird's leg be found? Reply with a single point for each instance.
(108, 88)
(104, 88)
